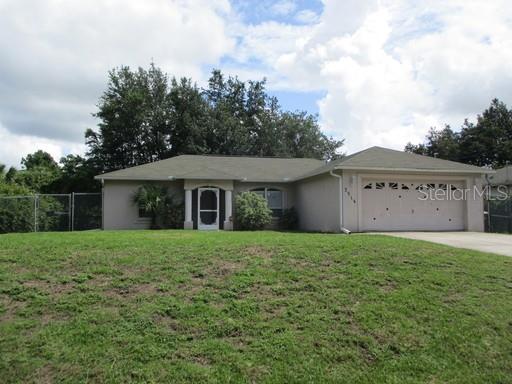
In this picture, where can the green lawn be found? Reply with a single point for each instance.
(181, 306)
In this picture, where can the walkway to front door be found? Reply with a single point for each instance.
(208, 208)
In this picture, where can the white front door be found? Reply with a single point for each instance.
(208, 208)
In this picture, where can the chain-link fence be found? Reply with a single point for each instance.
(498, 216)
(50, 212)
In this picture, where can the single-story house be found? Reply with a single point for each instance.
(377, 189)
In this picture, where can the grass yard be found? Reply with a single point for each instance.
(182, 306)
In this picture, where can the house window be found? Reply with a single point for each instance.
(274, 199)
(143, 212)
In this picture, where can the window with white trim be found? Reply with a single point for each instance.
(274, 199)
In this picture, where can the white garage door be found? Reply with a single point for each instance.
(406, 205)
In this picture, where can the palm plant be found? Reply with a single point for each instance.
(150, 198)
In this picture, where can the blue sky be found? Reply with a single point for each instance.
(287, 11)
(377, 72)
(299, 101)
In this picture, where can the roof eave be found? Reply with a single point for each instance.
(134, 178)
(171, 178)
(419, 170)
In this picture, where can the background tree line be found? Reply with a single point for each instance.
(486, 143)
(145, 115)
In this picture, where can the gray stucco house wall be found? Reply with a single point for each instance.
(377, 189)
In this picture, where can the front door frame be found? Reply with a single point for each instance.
(214, 226)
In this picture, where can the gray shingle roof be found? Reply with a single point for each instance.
(378, 158)
(270, 169)
(503, 176)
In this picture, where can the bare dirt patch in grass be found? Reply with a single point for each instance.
(144, 289)
(223, 268)
(50, 288)
(259, 251)
(218, 270)
(10, 308)
(388, 286)
(44, 375)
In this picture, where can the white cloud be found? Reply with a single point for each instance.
(389, 69)
(14, 146)
(393, 69)
(56, 54)
(306, 16)
(283, 7)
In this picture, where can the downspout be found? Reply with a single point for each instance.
(340, 179)
(102, 204)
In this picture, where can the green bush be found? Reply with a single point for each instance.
(16, 215)
(252, 212)
(165, 210)
(172, 213)
(17, 211)
(289, 220)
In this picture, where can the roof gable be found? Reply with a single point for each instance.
(384, 159)
(502, 176)
(379, 157)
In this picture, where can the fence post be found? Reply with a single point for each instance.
(488, 201)
(73, 211)
(510, 215)
(35, 211)
(69, 212)
(35, 214)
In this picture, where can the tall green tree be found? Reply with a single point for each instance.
(486, 143)
(39, 172)
(439, 143)
(228, 132)
(10, 175)
(489, 141)
(134, 118)
(77, 175)
(188, 119)
(39, 159)
(145, 117)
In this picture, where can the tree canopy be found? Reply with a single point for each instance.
(146, 116)
(486, 143)
(42, 174)
(37, 159)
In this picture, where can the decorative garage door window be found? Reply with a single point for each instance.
(381, 185)
(411, 205)
(274, 199)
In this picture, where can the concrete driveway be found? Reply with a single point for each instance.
(485, 242)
